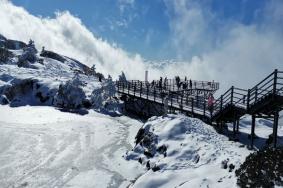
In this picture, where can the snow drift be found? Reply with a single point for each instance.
(178, 151)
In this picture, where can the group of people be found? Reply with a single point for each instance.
(163, 84)
(183, 84)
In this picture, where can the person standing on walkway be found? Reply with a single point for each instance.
(165, 83)
(210, 104)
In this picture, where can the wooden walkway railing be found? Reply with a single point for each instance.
(233, 96)
(192, 101)
(263, 100)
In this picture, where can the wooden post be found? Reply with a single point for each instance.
(238, 122)
(182, 101)
(234, 125)
(135, 87)
(128, 88)
(255, 93)
(221, 103)
(275, 128)
(187, 98)
(253, 131)
(171, 98)
(204, 106)
(140, 89)
(275, 81)
(248, 99)
(192, 105)
(154, 91)
(147, 88)
(232, 93)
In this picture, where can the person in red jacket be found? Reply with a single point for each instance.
(210, 103)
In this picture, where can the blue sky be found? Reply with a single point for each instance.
(145, 26)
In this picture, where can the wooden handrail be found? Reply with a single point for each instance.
(190, 98)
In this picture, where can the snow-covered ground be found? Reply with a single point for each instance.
(41, 146)
(195, 153)
(44, 147)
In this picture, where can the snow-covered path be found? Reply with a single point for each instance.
(43, 147)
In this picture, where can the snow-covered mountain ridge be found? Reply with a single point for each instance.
(47, 78)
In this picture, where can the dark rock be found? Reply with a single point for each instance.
(37, 86)
(231, 167)
(87, 104)
(21, 87)
(155, 168)
(52, 55)
(148, 165)
(140, 160)
(224, 164)
(139, 135)
(4, 100)
(162, 149)
(263, 168)
(14, 44)
(196, 158)
(148, 154)
(41, 97)
(40, 61)
(4, 55)
(147, 140)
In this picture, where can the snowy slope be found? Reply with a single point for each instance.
(44, 147)
(29, 77)
(187, 153)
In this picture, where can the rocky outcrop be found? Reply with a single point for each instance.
(13, 44)
(4, 55)
(52, 55)
(263, 168)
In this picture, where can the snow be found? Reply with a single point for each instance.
(263, 128)
(44, 147)
(41, 146)
(195, 153)
(52, 79)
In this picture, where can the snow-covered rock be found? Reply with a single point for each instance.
(178, 151)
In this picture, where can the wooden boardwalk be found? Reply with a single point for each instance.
(264, 100)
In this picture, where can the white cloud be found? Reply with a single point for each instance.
(67, 35)
(236, 54)
(243, 56)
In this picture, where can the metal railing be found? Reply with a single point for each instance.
(194, 100)
(184, 84)
(233, 96)
(271, 85)
(180, 100)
